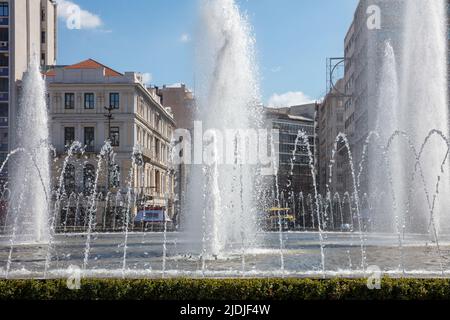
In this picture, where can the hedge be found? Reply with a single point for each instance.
(226, 289)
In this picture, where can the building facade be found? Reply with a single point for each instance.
(364, 52)
(295, 177)
(140, 129)
(331, 124)
(27, 29)
(181, 102)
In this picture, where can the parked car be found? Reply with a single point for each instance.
(153, 220)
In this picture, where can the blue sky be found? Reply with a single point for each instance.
(294, 38)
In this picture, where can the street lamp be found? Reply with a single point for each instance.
(110, 117)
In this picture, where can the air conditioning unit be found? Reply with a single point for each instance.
(3, 43)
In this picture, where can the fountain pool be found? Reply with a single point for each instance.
(302, 258)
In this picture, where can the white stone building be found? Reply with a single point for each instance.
(78, 95)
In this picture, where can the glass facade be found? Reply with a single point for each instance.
(4, 9)
(4, 85)
(288, 136)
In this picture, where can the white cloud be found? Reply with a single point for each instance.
(147, 78)
(185, 38)
(76, 17)
(276, 69)
(289, 99)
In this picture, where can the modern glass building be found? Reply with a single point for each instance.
(27, 29)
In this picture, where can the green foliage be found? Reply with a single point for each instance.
(225, 289)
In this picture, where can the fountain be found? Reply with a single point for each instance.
(227, 100)
(406, 157)
(30, 172)
(412, 101)
(424, 106)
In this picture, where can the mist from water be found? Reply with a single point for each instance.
(221, 209)
(30, 170)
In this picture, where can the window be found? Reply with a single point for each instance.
(115, 136)
(69, 179)
(89, 138)
(89, 101)
(4, 85)
(69, 100)
(4, 114)
(115, 176)
(157, 122)
(114, 100)
(4, 139)
(43, 36)
(69, 136)
(4, 9)
(88, 178)
(4, 34)
(4, 60)
(157, 181)
(157, 149)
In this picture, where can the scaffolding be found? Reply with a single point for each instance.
(335, 71)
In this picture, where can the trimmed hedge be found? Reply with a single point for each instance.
(227, 289)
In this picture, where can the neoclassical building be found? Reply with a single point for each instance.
(79, 96)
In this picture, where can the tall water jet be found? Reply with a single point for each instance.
(228, 96)
(424, 107)
(387, 176)
(30, 172)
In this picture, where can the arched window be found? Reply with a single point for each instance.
(69, 179)
(88, 178)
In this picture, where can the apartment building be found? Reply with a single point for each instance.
(27, 29)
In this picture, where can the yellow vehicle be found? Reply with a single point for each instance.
(276, 215)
